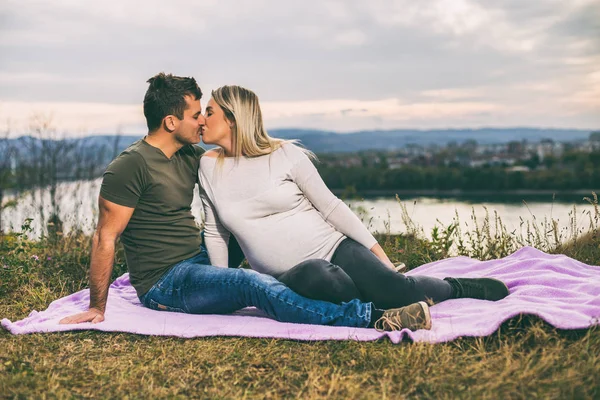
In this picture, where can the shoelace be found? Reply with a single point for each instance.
(380, 324)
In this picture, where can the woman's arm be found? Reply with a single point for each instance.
(216, 237)
(380, 253)
(334, 210)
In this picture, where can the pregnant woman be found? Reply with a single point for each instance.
(268, 194)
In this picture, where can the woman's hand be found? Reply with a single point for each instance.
(378, 251)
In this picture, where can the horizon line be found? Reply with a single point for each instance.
(311, 130)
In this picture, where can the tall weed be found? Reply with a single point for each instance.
(489, 238)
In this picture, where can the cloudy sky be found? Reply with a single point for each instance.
(334, 65)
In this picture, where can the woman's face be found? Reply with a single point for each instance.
(217, 129)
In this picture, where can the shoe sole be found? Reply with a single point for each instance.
(427, 313)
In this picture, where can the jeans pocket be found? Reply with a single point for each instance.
(161, 307)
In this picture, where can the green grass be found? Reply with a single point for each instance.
(524, 358)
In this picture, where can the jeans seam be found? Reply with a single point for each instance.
(368, 312)
(285, 301)
(168, 308)
(183, 302)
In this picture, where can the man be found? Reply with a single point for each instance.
(145, 200)
(146, 194)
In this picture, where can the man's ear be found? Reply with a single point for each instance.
(171, 123)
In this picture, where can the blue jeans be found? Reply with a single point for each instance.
(193, 286)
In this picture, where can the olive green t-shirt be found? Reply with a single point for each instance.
(162, 230)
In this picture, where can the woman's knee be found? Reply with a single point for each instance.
(321, 280)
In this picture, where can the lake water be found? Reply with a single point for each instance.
(77, 206)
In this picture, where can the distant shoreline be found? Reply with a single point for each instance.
(471, 193)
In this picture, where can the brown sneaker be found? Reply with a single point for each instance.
(415, 316)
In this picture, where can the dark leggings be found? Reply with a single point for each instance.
(355, 272)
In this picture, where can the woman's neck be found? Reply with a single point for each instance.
(227, 149)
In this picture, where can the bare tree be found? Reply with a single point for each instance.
(40, 163)
(7, 170)
(117, 142)
(49, 161)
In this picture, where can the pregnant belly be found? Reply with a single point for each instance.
(274, 248)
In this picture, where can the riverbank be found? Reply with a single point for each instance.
(76, 205)
(515, 195)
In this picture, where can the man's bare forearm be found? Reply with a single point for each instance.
(101, 265)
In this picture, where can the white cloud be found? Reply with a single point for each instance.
(392, 109)
(462, 22)
(459, 62)
(352, 37)
(451, 94)
(74, 119)
(351, 115)
(586, 98)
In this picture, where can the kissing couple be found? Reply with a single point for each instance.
(312, 260)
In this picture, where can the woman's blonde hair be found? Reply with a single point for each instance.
(250, 139)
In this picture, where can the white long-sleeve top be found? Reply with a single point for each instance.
(278, 208)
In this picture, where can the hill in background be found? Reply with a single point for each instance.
(325, 142)
(329, 142)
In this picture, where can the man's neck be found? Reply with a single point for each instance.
(164, 141)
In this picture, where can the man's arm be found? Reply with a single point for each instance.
(112, 221)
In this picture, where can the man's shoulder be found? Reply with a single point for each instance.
(131, 156)
(125, 178)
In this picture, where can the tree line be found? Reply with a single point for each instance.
(574, 170)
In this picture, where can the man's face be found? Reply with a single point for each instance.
(190, 127)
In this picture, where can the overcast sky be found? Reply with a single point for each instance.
(333, 65)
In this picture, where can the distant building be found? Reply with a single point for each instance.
(398, 162)
(518, 168)
(594, 140)
(548, 147)
(351, 162)
(495, 161)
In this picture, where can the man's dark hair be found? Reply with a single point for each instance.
(166, 96)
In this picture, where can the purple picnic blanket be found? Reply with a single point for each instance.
(562, 291)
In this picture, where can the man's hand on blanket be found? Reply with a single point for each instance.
(93, 315)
